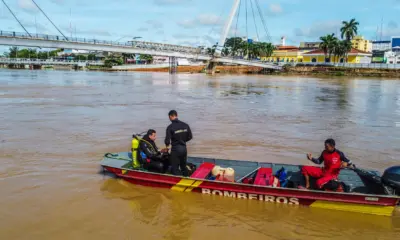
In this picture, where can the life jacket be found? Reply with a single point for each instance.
(264, 177)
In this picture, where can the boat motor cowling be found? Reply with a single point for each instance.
(391, 178)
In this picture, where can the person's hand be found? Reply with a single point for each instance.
(309, 156)
(164, 150)
(351, 166)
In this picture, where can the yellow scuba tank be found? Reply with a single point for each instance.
(135, 146)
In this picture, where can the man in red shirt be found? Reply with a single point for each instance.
(333, 160)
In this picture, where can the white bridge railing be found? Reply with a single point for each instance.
(132, 44)
(141, 47)
(48, 61)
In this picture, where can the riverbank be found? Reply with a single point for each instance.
(201, 69)
(339, 71)
(287, 70)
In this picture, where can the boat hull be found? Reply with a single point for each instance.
(360, 203)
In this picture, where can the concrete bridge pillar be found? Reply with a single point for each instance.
(211, 66)
(172, 65)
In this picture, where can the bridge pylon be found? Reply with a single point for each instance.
(211, 66)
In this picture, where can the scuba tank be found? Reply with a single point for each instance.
(135, 146)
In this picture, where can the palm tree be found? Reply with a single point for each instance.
(225, 51)
(349, 29)
(346, 45)
(327, 44)
(211, 51)
(332, 44)
(267, 49)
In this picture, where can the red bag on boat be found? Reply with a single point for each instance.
(248, 180)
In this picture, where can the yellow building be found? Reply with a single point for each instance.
(358, 42)
(354, 56)
(285, 54)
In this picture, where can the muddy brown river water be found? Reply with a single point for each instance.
(55, 126)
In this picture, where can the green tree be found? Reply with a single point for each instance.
(327, 44)
(147, 58)
(267, 49)
(113, 61)
(91, 57)
(211, 51)
(349, 29)
(12, 52)
(234, 44)
(346, 46)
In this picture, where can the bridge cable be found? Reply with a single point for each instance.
(263, 21)
(214, 25)
(237, 20)
(16, 18)
(254, 18)
(247, 33)
(49, 19)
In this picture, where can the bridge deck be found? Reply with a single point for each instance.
(135, 47)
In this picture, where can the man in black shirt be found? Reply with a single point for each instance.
(151, 158)
(178, 133)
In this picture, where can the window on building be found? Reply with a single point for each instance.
(327, 60)
(314, 60)
(341, 60)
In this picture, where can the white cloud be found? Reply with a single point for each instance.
(201, 20)
(27, 5)
(84, 32)
(392, 29)
(171, 2)
(143, 29)
(157, 25)
(319, 29)
(59, 2)
(275, 8)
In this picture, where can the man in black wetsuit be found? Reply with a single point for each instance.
(152, 158)
(178, 133)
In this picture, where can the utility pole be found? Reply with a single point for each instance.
(35, 25)
(70, 25)
(381, 28)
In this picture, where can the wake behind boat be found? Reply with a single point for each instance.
(363, 191)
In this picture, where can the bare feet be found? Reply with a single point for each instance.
(303, 188)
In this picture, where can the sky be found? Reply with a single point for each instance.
(200, 22)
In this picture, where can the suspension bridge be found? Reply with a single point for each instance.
(139, 47)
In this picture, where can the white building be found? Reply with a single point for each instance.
(381, 45)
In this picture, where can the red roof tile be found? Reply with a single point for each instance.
(286, 48)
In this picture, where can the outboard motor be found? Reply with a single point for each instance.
(391, 178)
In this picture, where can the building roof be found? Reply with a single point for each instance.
(352, 52)
(377, 42)
(286, 48)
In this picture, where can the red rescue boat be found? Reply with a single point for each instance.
(365, 192)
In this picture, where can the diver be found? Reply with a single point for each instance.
(178, 134)
(151, 158)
